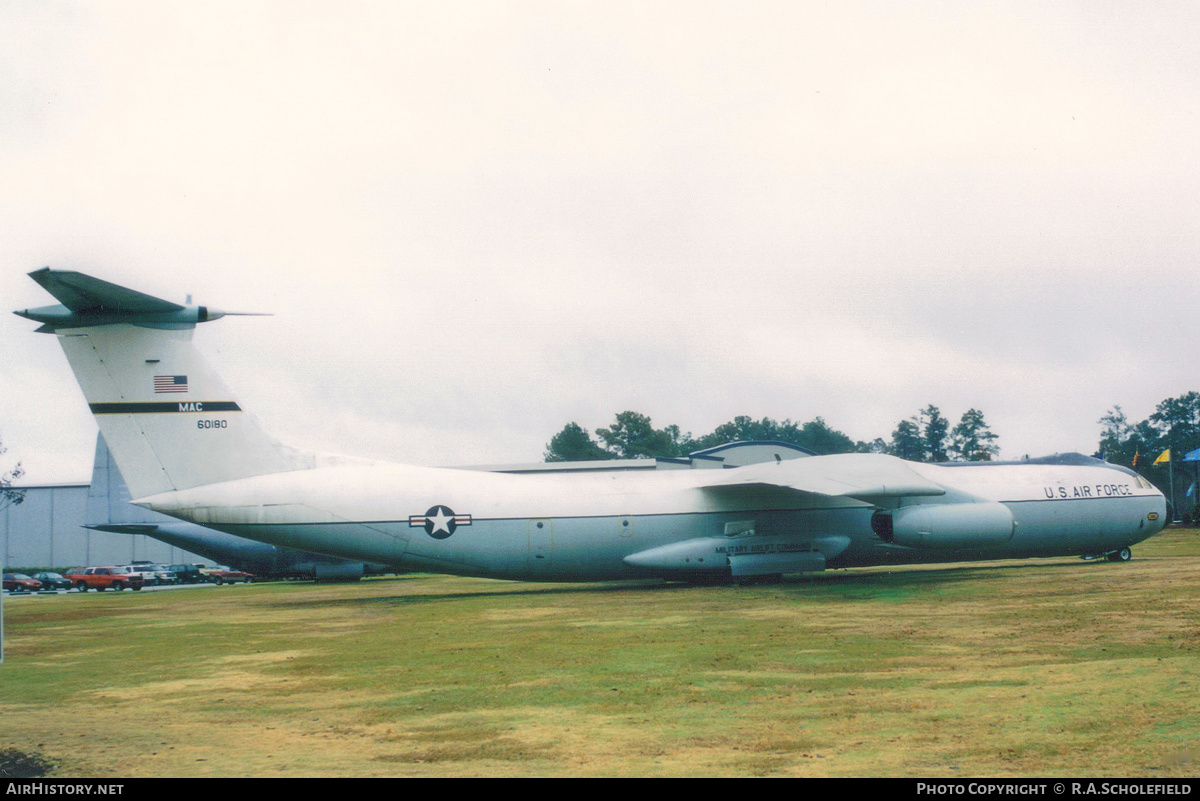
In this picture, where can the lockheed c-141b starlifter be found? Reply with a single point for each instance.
(186, 448)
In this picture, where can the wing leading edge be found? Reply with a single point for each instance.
(867, 477)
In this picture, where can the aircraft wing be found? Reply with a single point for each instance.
(82, 293)
(868, 477)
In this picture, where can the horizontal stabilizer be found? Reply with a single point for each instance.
(83, 293)
(123, 528)
(86, 302)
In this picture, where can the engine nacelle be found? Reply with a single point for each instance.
(982, 524)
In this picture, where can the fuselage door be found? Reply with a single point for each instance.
(541, 544)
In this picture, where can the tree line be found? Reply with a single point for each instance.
(1156, 446)
(1174, 426)
(1148, 446)
(925, 437)
(8, 495)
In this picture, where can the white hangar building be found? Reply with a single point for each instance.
(47, 528)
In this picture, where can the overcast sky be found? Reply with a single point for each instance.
(476, 222)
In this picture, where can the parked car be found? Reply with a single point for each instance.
(53, 581)
(163, 574)
(223, 575)
(19, 582)
(102, 578)
(187, 574)
(146, 571)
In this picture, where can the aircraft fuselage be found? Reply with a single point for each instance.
(584, 526)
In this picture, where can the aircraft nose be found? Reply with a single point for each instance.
(1155, 515)
(1162, 510)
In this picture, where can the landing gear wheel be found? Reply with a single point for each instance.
(1123, 555)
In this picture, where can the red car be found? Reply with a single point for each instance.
(221, 575)
(19, 582)
(104, 578)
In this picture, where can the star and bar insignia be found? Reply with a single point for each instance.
(439, 522)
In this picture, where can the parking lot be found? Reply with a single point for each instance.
(7, 594)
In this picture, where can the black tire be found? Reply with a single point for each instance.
(136, 587)
(81, 586)
(1123, 555)
(118, 586)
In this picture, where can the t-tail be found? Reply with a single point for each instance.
(168, 418)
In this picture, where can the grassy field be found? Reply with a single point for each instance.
(1035, 668)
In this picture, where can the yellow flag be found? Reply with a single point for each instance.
(1165, 456)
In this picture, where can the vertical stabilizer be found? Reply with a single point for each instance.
(169, 420)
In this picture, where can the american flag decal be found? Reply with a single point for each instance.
(170, 383)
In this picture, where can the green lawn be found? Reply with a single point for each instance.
(1049, 667)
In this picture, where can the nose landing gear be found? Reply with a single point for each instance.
(1120, 555)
